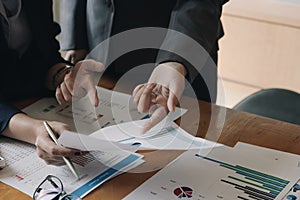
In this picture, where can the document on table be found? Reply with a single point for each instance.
(115, 107)
(166, 135)
(225, 173)
(25, 170)
(87, 143)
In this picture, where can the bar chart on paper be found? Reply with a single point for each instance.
(197, 177)
(254, 184)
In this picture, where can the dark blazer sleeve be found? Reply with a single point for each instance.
(7, 112)
(198, 19)
(44, 48)
(44, 30)
(73, 24)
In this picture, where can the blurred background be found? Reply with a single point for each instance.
(261, 47)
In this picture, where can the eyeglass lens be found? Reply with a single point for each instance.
(52, 189)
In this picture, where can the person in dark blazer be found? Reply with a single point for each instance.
(86, 23)
(31, 65)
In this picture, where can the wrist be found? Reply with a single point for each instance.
(56, 75)
(177, 66)
(38, 128)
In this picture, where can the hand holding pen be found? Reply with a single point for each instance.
(54, 138)
(48, 150)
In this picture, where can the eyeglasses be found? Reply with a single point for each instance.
(51, 188)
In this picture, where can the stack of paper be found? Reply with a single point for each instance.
(206, 171)
(166, 135)
(114, 108)
(128, 137)
(25, 170)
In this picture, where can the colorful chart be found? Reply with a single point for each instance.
(291, 197)
(294, 192)
(183, 191)
(255, 184)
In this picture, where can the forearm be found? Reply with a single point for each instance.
(27, 129)
(22, 127)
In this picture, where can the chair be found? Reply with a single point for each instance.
(274, 103)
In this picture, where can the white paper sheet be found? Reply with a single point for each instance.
(114, 108)
(166, 135)
(88, 143)
(25, 170)
(225, 173)
(270, 156)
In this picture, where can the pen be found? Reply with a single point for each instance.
(53, 137)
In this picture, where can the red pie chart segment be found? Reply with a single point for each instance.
(182, 192)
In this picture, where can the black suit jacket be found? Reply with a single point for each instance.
(25, 76)
(86, 23)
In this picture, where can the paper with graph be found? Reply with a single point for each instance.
(166, 135)
(115, 107)
(25, 170)
(224, 173)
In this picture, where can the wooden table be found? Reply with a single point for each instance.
(238, 126)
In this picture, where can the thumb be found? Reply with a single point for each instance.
(175, 92)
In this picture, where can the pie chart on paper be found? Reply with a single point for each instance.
(183, 192)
